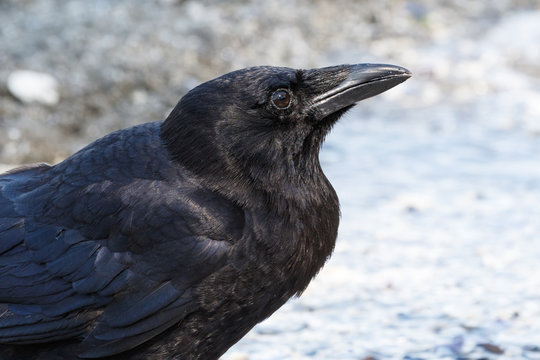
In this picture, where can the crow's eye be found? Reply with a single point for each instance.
(281, 99)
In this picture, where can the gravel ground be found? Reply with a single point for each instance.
(439, 179)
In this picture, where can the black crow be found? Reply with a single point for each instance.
(171, 240)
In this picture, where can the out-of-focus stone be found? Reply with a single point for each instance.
(4, 168)
(32, 86)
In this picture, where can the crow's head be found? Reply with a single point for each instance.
(263, 126)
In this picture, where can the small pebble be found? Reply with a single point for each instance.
(31, 86)
(494, 349)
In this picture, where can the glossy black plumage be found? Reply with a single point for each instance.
(171, 240)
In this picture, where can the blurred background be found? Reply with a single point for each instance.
(439, 179)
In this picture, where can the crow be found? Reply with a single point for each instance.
(172, 239)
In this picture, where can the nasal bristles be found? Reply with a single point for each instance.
(299, 76)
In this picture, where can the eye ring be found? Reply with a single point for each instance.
(281, 99)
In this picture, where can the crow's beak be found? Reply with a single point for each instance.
(363, 81)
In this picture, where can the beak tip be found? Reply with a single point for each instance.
(406, 72)
(380, 69)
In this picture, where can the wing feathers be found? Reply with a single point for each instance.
(133, 311)
(107, 341)
(108, 245)
(37, 328)
(11, 233)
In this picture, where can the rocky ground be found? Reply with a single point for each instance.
(439, 178)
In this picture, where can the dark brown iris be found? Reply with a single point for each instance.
(281, 99)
